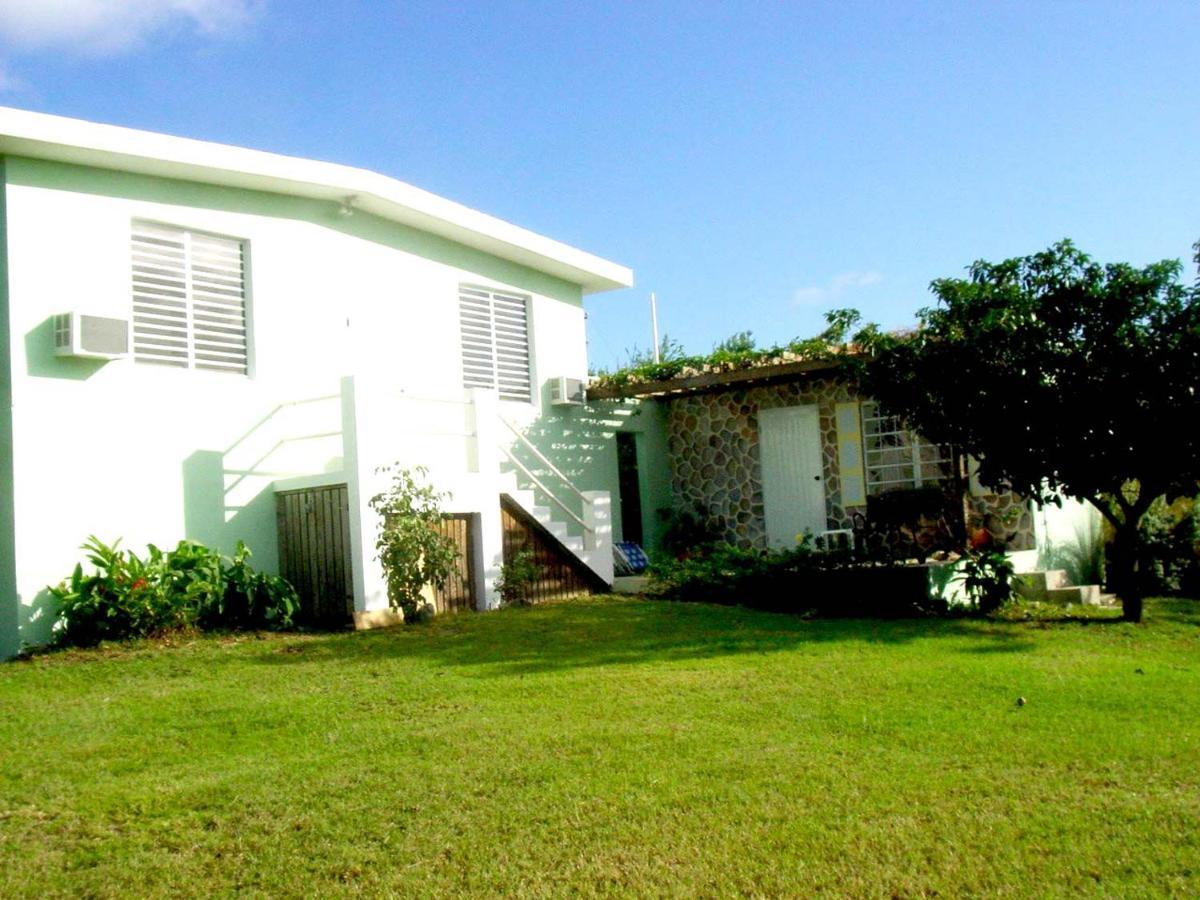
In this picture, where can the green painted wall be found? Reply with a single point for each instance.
(311, 272)
(581, 442)
(10, 640)
(107, 183)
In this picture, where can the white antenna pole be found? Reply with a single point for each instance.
(654, 325)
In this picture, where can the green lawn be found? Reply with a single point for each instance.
(613, 747)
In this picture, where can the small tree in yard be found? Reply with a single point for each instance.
(1063, 376)
(411, 547)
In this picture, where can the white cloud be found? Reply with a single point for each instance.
(108, 27)
(835, 287)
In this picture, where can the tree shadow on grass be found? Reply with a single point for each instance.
(589, 633)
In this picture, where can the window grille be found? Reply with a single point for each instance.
(897, 457)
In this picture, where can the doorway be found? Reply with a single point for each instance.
(793, 479)
(629, 487)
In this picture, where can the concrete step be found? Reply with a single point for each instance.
(1079, 593)
(630, 584)
(558, 529)
(1036, 586)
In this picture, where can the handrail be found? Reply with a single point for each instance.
(545, 490)
(276, 411)
(538, 453)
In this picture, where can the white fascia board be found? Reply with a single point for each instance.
(42, 136)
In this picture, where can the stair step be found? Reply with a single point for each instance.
(1036, 586)
(1080, 593)
(558, 529)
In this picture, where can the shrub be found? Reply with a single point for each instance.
(411, 546)
(798, 580)
(987, 579)
(720, 573)
(1169, 563)
(517, 576)
(690, 529)
(131, 596)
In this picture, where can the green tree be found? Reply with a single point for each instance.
(411, 546)
(1063, 376)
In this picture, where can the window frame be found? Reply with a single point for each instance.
(471, 358)
(925, 472)
(188, 233)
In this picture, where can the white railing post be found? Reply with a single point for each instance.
(597, 515)
(487, 461)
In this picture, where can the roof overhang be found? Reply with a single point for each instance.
(710, 381)
(41, 136)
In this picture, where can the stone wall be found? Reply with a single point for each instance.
(713, 443)
(714, 456)
(1006, 517)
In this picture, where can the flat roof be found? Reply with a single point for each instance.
(711, 380)
(42, 136)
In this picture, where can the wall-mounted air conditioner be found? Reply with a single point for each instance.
(90, 337)
(566, 391)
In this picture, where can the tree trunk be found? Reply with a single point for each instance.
(1124, 577)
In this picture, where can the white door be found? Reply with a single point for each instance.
(793, 484)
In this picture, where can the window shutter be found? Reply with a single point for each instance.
(189, 299)
(475, 325)
(494, 338)
(512, 346)
(850, 455)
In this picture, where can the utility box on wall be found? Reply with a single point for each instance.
(566, 391)
(90, 337)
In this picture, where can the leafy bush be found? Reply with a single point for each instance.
(690, 529)
(735, 353)
(987, 579)
(1170, 548)
(517, 576)
(798, 580)
(131, 596)
(721, 573)
(411, 546)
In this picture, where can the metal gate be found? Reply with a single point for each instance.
(314, 552)
(459, 591)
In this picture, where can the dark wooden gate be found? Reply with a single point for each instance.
(459, 591)
(314, 552)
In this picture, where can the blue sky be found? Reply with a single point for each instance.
(755, 164)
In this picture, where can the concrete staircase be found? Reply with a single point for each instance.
(596, 553)
(1053, 586)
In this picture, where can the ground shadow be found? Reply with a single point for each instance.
(596, 633)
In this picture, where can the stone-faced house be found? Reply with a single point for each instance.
(778, 450)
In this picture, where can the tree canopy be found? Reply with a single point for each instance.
(1062, 375)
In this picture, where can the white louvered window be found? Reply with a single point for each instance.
(189, 299)
(494, 327)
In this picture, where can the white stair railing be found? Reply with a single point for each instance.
(537, 482)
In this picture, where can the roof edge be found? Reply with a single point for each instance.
(63, 139)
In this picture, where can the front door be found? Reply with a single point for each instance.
(793, 485)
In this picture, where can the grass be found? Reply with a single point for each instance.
(613, 747)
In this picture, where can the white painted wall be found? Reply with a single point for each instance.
(145, 453)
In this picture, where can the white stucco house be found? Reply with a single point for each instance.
(189, 330)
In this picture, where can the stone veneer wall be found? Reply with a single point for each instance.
(715, 465)
(713, 443)
(1002, 515)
